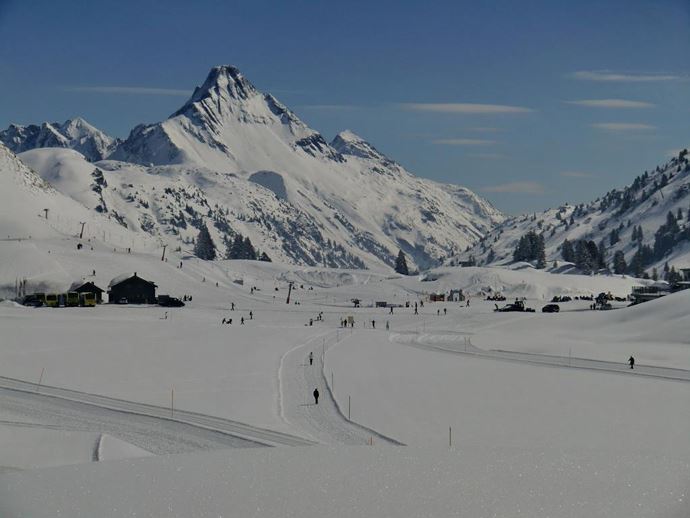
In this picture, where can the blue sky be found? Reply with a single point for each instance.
(529, 103)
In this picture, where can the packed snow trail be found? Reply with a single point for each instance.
(459, 343)
(132, 421)
(324, 422)
(154, 435)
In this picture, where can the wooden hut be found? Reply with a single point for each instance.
(131, 289)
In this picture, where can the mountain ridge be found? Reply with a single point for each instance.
(241, 162)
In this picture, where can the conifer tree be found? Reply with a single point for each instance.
(401, 264)
(567, 251)
(619, 265)
(205, 248)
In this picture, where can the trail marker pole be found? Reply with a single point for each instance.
(450, 437)
(40, 379)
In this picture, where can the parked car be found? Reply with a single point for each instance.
(518, 306)
(551, 308)
(32, 301)
(123, 300)
(169, 302)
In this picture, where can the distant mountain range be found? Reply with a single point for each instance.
(240, 162)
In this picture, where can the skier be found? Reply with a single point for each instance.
(232, 306)
(391, 311)
(468, 303)
(94, 273)
(316, 396)
(251, 315)
(223, 322)
(373, 324)
(311, 358)
(438, 312)
(415, 309)
(242, 321)
(631, 361)
(387, 325)
(445, 311)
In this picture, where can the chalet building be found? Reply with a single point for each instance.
(646, 293)
(131, 289)
(88, 287)
(437, 297)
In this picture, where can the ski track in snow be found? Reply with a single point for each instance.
(324, 422)
(149, 427)
(460, 343)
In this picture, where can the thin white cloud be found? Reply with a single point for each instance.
(128, 90)
(465, 108)
(623, 126)
(487, 156)
(576, 174)
(611, 103)
(523, 187)
(483, 129)
(463, 142)
(608, 76)
(328, 107)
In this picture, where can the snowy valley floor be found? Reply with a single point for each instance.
(500, 414)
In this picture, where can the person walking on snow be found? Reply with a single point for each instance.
(242, 321)
(445, 311)
(311, 358)
(373, 324)
(316, 396)
(631, 361)
(251, 315)
(232, 306)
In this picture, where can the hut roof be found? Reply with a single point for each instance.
(125, 276)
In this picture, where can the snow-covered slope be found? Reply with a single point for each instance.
(25, 197)
(75, 134)
(613, 218)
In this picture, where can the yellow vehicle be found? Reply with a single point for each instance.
(52, 300)
(87, 299)
(72, 299)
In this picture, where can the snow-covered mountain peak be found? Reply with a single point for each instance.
(349, 143)
(227, 96)
(74, 133)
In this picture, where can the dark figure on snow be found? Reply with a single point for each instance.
(223, 322)
(445, 311)
(438, 312)
(316, 396)
(232, 306)
(373, 324)
(251, 315)
(311, 322)
(631, 361)
(391, 311)
(468, 303)
(311, 358)
(242, 321)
